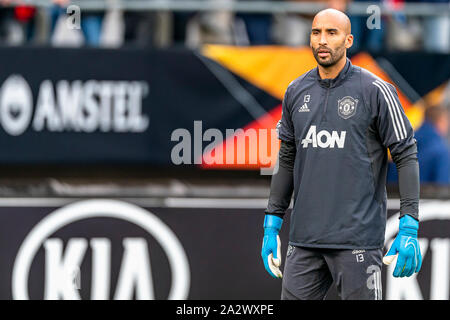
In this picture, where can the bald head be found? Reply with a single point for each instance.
(335, 18)
(330, 37)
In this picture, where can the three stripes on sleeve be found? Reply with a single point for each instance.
(394, 110)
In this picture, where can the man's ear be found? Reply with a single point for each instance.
(349, 41)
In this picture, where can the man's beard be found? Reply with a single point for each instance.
(334, 56)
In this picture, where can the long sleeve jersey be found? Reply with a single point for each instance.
(337, 133)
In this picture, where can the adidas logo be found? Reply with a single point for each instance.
(304, 108)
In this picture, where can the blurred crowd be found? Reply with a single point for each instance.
(23, 24)
(433, 145)
(434, 156)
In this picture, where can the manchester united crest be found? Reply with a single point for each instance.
(347, 107)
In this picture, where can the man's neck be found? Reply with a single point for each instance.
(332, 72)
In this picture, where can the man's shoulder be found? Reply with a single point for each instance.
(300, 82)
(370, 79)
(372, 82)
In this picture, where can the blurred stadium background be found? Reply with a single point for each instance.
(115, 180)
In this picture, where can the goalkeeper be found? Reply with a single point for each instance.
(338, 121)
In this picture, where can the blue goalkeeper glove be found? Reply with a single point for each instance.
(271, 247)
(406, 246)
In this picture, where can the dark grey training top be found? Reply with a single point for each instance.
(341, 129)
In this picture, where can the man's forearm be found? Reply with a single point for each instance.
(409, 182)
(282, 184)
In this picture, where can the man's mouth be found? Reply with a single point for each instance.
(323, 53)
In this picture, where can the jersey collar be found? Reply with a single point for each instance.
(331, 83)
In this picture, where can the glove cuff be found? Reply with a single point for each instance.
(272, 222)
(408, 225)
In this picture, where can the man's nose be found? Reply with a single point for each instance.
(323, 40)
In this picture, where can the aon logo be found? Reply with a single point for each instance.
(324, 139)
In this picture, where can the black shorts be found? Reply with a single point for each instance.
(309, 273)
